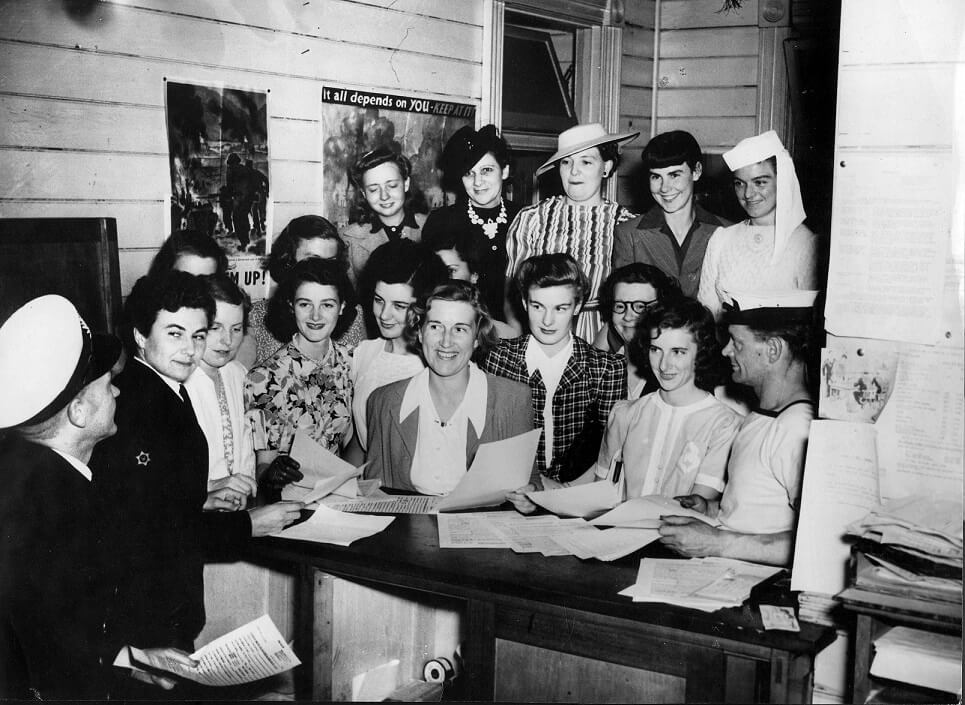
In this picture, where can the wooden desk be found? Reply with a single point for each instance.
(541, 628)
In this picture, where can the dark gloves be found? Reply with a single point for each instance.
(283, 470)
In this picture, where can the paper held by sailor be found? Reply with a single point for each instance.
(645, 513)
(578, 500)
(323, 472)
(499, 467)
(340, 528)
(251, 652)
(707, 584)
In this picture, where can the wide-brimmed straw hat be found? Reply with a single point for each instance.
(47, 355)
(580, 137)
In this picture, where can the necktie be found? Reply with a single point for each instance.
(183, 391)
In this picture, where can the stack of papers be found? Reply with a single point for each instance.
(706, 584)
(548, 535)
(920, 658)
(327, 525)
(914, 548)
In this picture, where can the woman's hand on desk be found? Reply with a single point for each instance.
(272, 518)
(521, 501)
(282, 470)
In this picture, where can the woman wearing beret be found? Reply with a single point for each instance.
(479, 160)
(580, 222)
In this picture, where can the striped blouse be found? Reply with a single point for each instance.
(584, 232)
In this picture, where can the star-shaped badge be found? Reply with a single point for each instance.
(143, 458)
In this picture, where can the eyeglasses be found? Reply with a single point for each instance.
(637, 307)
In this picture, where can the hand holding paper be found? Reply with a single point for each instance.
(645, 513)
(499, 467)
(578, 500)
(323, 472)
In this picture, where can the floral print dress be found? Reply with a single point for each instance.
(291, 392)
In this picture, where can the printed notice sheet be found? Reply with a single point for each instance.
(391, 504)
(249, 653)
(470, 530)
(840, 486)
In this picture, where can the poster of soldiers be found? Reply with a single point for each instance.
(218, 152)
(355, 122)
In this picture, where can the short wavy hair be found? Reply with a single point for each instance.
(557, 269)
(453, 290)
(636, 273)
(688, 314)
(402, 262)
(304, 227)
(370, 160)
(165, 291)
(280, 315)
(187, 242)
(223, 288)
(463, 243)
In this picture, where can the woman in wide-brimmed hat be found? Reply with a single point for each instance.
(476, 163)
(580, 222)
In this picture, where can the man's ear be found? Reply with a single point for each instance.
(775, 348)
(698, 171)
(77, 412)
(139, 339)
(505, 172)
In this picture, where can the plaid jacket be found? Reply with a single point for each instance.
(592, 382)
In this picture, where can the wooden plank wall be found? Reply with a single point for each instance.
(707, 71)
(82, 122)
(636, 96)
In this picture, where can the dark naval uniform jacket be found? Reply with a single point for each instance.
(152, 477)
(55, 640)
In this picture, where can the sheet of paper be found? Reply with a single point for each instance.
(345, 484)
(251, 652)
(645, 513)
(327, 525)
(579, 500)
(700, 583)
(469, 530)
(605, 544)
(499, 467)
(390, 504)
(922, 429)
(318, 466)
(857, 378)
(890, 233)
(840, 486)
(532, 534)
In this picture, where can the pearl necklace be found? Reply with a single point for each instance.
(489, 226)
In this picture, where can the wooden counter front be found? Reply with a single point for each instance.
(532, 628)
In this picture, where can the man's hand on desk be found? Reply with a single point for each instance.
(272, 518)
(690, 537)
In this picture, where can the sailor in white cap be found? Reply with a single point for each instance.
(772, 248)
(770, 341)
(579, 223)
(56, 639)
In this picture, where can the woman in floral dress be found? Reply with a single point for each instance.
(305, 385)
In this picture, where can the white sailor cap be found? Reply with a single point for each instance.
(769, 308)
(47, 355)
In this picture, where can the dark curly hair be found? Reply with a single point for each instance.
(280, 316)
(466, 247)
(688, 314)
(304, 227)
(453, 290)
(166, 291)
(187, 242)
(636, 273)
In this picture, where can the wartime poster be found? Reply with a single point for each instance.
(354, 122)
(218, 152)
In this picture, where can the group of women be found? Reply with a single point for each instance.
(378, 308)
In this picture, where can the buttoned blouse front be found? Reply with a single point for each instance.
(668, 449)
(439, 459)
(291, 392)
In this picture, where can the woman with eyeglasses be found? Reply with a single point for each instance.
(627, 294)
